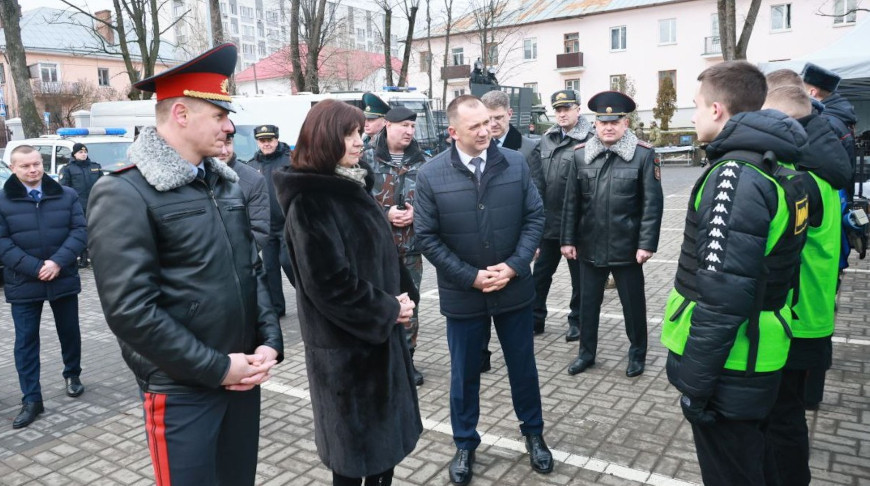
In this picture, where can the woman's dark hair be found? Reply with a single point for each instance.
(321, 140)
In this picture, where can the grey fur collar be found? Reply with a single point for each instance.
(624, 147)
(163, 167)
(578, 133)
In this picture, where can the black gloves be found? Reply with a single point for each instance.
(693, 410)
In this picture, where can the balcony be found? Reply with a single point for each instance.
(569, 62)
(456, 72)
(712, 47)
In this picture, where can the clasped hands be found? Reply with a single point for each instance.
(49, 271)
(494, 277)
(401, 217)
(249, 370)
(406, 309)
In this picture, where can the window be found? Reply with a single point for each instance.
(572, 84)
(530, 49)
(360, 35)
(103, 76)
(492, 58)
(532, 86)
(233, 9)
(458, 55)
(458, 92)
(845, 11)
(61, 156)
(261, 31)
(178, 10)
(672, 75)
(369, 23)
(248, 30)
(780, 17)
(249, 49)
(261, 49)
(425, 59)
(2, 74)
(234, 23)
(667, 31)
(48, 73)
(246, 12)
(617, 82)
(572, 42)
(223, 8)
(617, 38)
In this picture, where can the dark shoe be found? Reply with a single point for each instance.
(83, 263)
(418, 377)
(812, 406)
(635, 368)
(74, 387)
(579, 366)
(539, 327)
(539, 454)
(573, 333)
(485, 364)
(28, 413)
(461, 466)
(280, 312)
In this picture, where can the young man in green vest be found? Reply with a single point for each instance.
(827, 163)
(727, 320)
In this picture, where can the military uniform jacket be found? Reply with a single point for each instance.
(81, 175)
(613, 202)
(557, 152)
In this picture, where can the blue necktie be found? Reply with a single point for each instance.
(36, 195)
(477, 173)
(200, 173)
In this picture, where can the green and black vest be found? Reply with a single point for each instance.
(762, 341)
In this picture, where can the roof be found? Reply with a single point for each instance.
(68, 32)
(345, 64)
(519, 12)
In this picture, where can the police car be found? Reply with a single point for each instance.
(106, 146)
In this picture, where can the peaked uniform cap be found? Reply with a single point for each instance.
(374, 106)
(204, 77)
(565, 97)
(611, 105)
(266, 131)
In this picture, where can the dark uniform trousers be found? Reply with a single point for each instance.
(787, 433)
(464, 340)
(276, 257)
(630, 286)
(732, 452)
(414, 264)
(202, 438)
(545, 267)
(27, 317)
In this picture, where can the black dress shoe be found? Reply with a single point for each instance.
(635, 368)
(461, 466)
(28, 413)
(416, 375)
(579, 366)
(74, 387)
(573, 333)
(485, 364)
(539, 327)
(539, 454)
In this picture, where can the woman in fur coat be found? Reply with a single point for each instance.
(351, 309)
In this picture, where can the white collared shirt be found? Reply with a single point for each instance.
(466, 160)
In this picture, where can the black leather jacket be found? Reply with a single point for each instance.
(613, 202)
(266, 165)
(557, 152)
(177, 270)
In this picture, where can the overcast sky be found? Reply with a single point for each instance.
(93, 5)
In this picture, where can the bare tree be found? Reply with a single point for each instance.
(410, 9)
(311, 26)
(387, 35)
(448, 10)
(217, 27)
(732, 47)
(497, 38)
(428, 59)
(133, 22)
(61, 100)
(10, 14)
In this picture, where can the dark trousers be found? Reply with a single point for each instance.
(414, 264)
(542, 274)
(383, 479)
(464, 337)
(275, 258)
(732, 452)
(27, 319)
(787, 433)
(815, 386)
(630, 286)
(203, 438)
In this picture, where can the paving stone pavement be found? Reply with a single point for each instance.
(604, 428)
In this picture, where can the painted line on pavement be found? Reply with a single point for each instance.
(576, 460)
(859, 342)
(856, 270)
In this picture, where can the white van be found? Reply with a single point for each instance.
(108, 147)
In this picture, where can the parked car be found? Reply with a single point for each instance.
(106, 146)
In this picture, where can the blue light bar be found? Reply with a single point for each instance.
(400, 89)
(74, 132)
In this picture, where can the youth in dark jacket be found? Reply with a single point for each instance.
(273, 156)
(610, 223)
(42, 230)
(479, 228)
(254, 187)
(81, 174)
(351, 309)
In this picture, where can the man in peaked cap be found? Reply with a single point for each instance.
(180, 282)
(394, 158)
(610, 223)
(557, 152)
(375, 110)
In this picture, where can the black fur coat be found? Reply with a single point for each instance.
(366, 415)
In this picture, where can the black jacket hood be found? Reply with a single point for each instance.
(760, 131)
(836, 105)
(823, 154)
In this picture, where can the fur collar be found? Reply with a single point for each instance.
(624, 147)
(14, 188)
(163, 167)
(580, 131)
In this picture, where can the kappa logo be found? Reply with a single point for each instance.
(720, 208)
(712, 257)
(725, 184)
(715, 233)
(801, 215)
(722, 196)
(728, 173)
(717, 220)
(715, 245)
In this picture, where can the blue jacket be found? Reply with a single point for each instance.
(462, 228)
(30, 233)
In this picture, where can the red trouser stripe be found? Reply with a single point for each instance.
(155, 427)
